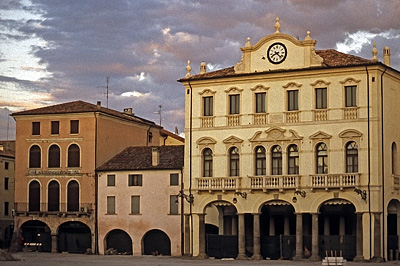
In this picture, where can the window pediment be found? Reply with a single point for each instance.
(350, 81)
(275, 134)
(232, 140)
(260, 88)
(350, 134)
(206, 141)
(207, 92)
(320, 136)
(233, 90)
(291, 85)
(320, 82)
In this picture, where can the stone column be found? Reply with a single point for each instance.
(359, 238)
(187, 235)
(202, 236)
(314, 238)
(54, 242)
(220, 221)
(241, 237)
(256, 237)
(271, 226)
(299, 237)
(377, 237)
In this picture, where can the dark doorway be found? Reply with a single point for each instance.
(37, 232)
(74, 237)
(120, 241)
(156, 242)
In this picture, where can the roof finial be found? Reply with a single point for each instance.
(203, 67)
(374, 53)
(248, 44)
(308, 37)
(188, 69)
(277, 25)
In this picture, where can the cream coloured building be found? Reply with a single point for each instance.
(293, 152)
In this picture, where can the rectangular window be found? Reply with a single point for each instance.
(110, 204)
(6, 208)
(135, 205)
(208, 106)
(293, 100)
(234, 104)
(6, 183)
(351, 96)
(55, 127)
(134, 180)
(110, 180)
(6, 165)
(150, 137)
(74, 126)
(35, 128)
(321, 98)
(260, 102)
(174, 179)
(173, 204)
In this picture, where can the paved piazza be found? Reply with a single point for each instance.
(49, 259)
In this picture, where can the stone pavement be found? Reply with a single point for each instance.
(62, 259)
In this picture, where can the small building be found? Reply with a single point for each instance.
(58, 148)
(139, 208)
(7, 177)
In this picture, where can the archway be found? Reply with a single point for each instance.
(74, 237)
(393, 214)
(277, 230)
(35, 231)
(120, 241)
(156, 242)
(337, 225)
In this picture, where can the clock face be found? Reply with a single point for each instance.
(277, 53)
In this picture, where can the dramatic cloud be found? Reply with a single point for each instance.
(54, 51)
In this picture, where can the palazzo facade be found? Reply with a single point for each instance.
(291, 153)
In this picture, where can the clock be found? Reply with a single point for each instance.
(277, 53)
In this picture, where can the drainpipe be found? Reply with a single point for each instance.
(383, 171)
(369, 169)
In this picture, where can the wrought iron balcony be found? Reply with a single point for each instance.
(327, 181)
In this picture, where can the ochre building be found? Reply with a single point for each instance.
(292, 153)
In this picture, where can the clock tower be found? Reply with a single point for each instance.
(278, 51)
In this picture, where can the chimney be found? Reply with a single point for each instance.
(203, 67)
(128, 111)
(98, 104)
(155, 156)
(386, 55)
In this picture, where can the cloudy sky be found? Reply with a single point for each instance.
(54, 51)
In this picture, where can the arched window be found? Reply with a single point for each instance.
(351, 157)
(207, 163)
(73, 196)
(234, 161)
(53, 196)
(74, 156)
(35, 157)
(54, 156)
(276, 160)
(260, 160)
(293, 160)
(322, 158)
(394, 158)
(34, 196)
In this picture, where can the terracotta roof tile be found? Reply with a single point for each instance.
(140, 158)
(332, 58)
(80, 107)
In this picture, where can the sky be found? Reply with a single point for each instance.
(56, 51)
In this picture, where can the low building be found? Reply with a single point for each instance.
(293, 152)
(7, 176)
(139, 208)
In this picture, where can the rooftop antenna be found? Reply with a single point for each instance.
(108, 78)
(159, 113)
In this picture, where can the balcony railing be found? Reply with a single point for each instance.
(274, 182)
(233, 120)
(292, 117)
(260, 119)
(320, 115)
(46, 208)
(350, 113)
(207, 121)
(340, 181)
(396, 181)
(218, 183)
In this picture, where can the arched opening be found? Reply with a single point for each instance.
(73, 196)
(156, 242)
(54, 157)
(337, 225)
(74, 156)
(35, 231)
(277, 230)
(53, 196)
(393, 212)
(221, 224)
(34, 196)
(35, 157)
(120, 241)
(74, 237)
